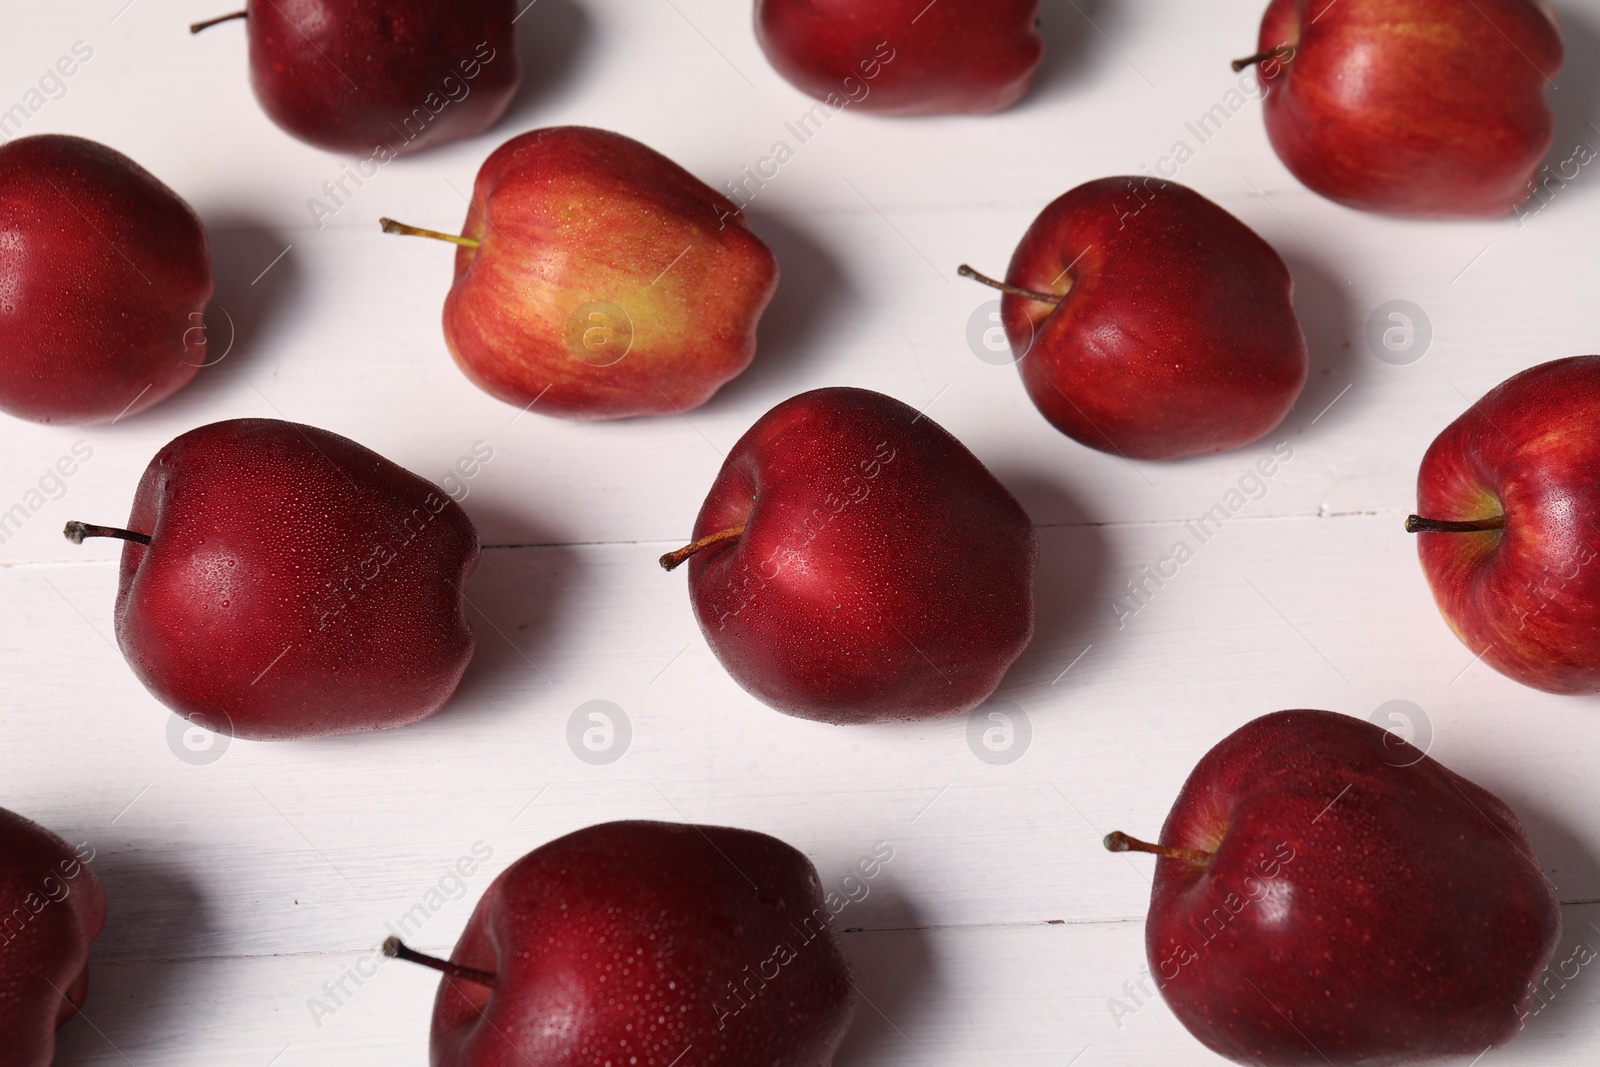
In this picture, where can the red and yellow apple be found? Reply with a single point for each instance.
(1432, 108)
(597, 279)
(1508, 525)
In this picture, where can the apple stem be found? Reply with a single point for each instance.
(1117, 841)
(76, 531)
(673, 560)
(396, 949)
(1006, 287)
(1283, 51)
(196, 27)
(391, 226)
(1418, 524)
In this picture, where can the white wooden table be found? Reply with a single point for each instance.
(244, 889)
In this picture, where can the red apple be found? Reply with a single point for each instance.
(104, 279)
(1509, 525)
(1432, 108)
(382, 76)
(598, 279)
(1329, 895)
(281, 581)
(1151, 323)
(637, 942)
(904, 57)
(853, 562)
(51, 908)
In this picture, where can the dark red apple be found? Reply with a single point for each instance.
(51, 908)
(1327, 894)
(1509, 526)
(382, 76)
(904, 57)
(597, 279)
(1151, 323)
(281, 581)
(1432, 108)
(853, 562)
(104, 279)
(639, 943)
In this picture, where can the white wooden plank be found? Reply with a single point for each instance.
(238, 888)
(1029, 995)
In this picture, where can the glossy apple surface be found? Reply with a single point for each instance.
(52, 908)
(882, 573)
(904, 57)
(354, 75)
(1361, 903)
(296, 584)
(1526, 596)
(608, 281)
(1174, 333)
(635, 942)
(105, 274)
(1430, 108)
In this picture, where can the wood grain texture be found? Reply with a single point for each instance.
(243, 888)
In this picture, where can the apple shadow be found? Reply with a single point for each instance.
(157, 915)
(514, 600)
(1565, 857)
(1576, 97)
(893, 961)
(812, 284)
(1574, 870)
(1072, 588)
(552, 41)
(1070, 31)
(257, 277)
(1334, 338)
(253, 282)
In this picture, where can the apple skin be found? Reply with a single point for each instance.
(953, 57)
(105, 274)
(570, 216)
(884, 574)
(1526, 597)
(625, 942)
(347, 75)
(51, 885)
(1423, 108)
(272, 539)
(1377, 906)
(1176, 333)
